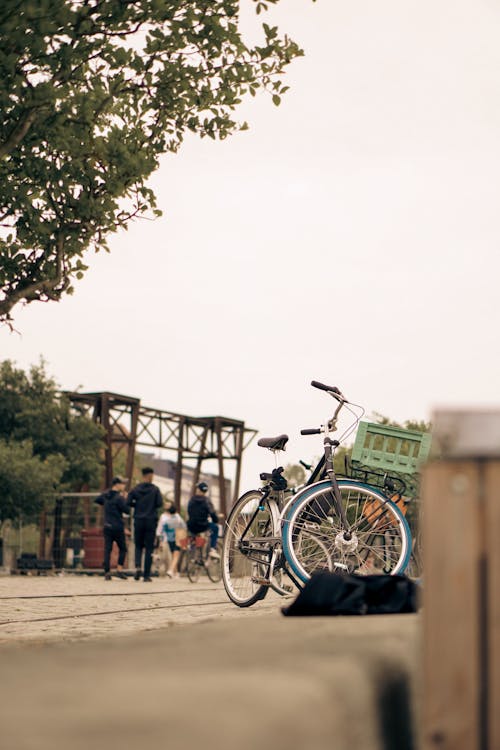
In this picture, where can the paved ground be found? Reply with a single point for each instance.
(35, 608)
(206, 673)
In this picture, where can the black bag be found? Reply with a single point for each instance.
(341, 594)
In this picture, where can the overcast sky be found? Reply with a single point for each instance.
(350, 236)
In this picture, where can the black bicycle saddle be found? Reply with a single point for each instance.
(274, 443)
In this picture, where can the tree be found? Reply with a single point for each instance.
(294, 474)
(44, 444)
(25, 478)
(419, 425)
(93, 92)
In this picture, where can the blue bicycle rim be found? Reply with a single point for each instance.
(326, 485)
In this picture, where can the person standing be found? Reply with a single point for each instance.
(200, 509)
(114, 529)
(145, 499)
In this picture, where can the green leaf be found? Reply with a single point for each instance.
(100, 91)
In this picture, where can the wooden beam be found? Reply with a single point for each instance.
(451, 625)
(461, 613)
(492, 499)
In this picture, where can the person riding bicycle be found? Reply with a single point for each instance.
(200, 509)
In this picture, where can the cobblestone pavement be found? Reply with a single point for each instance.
(71, 607)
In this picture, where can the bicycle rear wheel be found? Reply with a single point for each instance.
(193, 566)
(213, 568)
(246, 553)
(314, 540)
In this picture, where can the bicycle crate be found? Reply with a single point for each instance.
(199, 541)
(390, 449)
(389, 483)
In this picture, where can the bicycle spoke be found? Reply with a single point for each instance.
(378, 539)
(247, 550)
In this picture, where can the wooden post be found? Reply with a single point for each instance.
(220, 460)
(461, 592)
(492, 477)
(201, 456)
(178, 469)
(129, 465)
(239, 450)
(43, 526)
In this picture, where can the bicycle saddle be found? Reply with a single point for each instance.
(274, 443)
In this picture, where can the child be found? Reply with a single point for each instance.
(172, 522)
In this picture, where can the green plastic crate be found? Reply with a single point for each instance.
(390, 449)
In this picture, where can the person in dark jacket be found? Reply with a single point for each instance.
(145, 499)
(200, 509)
(114, 529)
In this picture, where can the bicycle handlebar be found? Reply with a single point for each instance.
(327, 388)
(338, 396)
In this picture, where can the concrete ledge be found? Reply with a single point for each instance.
(270, 681)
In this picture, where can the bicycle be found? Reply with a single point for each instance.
(329, 523)
(198, 559)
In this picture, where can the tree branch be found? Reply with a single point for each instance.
(18, 133)
(36, 289)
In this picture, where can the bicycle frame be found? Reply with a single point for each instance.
(324, 468)
(276, 497)
(275, 533)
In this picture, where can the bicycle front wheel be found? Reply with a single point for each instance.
(314, 539)
(247, 549)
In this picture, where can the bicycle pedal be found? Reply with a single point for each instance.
(260, 580)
